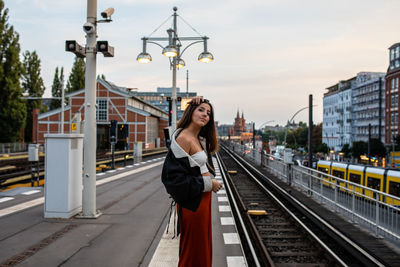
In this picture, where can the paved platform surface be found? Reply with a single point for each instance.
(227, 250)
(135, 211)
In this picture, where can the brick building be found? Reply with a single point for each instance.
(239, 125)
(137, 120)
(392, 94)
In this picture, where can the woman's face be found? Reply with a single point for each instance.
(201, 115)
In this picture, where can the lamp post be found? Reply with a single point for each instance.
(291, 119)
(174, 52)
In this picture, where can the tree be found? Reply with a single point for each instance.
(58, 83)
(397, 142)
(316, 137)
(346, 150)
(76, 80)
(32, 84)
(377, 148)
(322, 148)
(12, 107)
(359, 148)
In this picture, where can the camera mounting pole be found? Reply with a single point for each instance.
(90, 129)
(90, 126)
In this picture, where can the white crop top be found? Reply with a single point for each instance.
(201, 159)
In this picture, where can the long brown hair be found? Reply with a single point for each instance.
(208, 131)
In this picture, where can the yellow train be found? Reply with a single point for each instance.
(384, 180)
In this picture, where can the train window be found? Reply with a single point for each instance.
(373, 183)
(339, 174)
(355, 178)
(322, 169)
(394, 189)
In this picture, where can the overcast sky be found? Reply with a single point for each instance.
(269, 54)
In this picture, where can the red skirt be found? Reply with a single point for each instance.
(195, 245)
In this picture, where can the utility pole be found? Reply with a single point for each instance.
(90, 129)
(174, 39)
(369, 144)
(62, 105)
(187, 83)
(310, 129)
(90, 135)
(254, 135)
(380, 110)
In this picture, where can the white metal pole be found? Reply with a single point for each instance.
(173, 122)
(89, 141)
(175, 34)
(62, 106)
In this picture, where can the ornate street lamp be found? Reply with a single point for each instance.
(173, 51)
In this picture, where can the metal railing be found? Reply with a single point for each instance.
(375, 210)
(7, 148)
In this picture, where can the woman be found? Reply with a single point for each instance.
(188, 177)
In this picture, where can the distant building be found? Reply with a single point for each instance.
(137, 120)
(159, 98)
(224, 129)
(368, 106)
(239, 125)
(392, 94)
(336, 125)
(350, 106)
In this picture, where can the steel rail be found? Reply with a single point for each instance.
(292, 215)
(316, 216)
(229, 191)
(26, 175)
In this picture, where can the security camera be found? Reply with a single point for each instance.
(107, 13)
(88, 27)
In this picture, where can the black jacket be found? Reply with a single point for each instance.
(182, 178)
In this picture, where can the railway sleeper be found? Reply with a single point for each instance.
(287, 244)
(283, 252)
(268, 224)
(287, 264)
(297, 259)
(277, 235)
(278, 230)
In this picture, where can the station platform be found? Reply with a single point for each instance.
(130, 232)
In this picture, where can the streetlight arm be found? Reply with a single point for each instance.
(157, 38)
(179, 38)
(150, 42)
(297, 113)
(265, 123)
(288, 123)
(189, 46)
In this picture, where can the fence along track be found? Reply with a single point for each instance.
(15, 170)
(283, 240)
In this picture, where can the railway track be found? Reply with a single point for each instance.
(15, 170)
(278, 233)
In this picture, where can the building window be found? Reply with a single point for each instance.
(394, 100)
(101, 110)
(393, 118)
